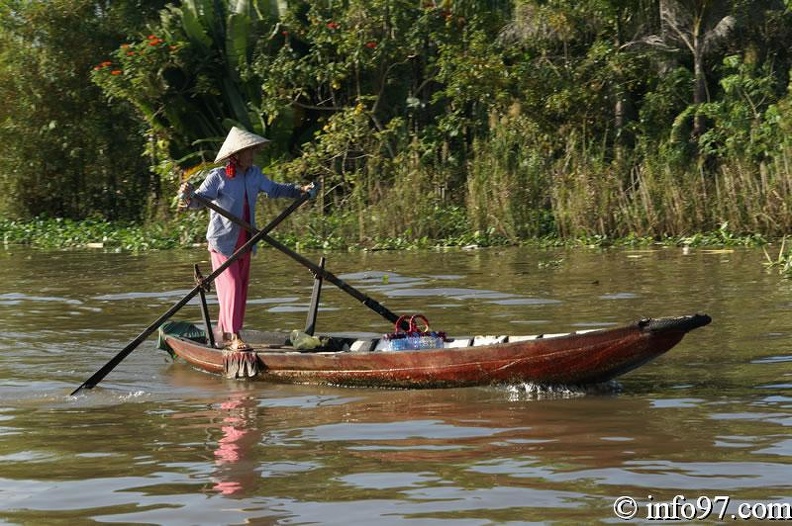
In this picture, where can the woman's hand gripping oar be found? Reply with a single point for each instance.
(118, 358)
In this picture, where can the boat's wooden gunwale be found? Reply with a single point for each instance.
(590, 356)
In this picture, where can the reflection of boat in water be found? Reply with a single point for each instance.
(305, 434)
(584, 357)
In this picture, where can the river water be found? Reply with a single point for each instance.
(703, 430)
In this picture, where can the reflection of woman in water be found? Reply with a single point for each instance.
(237, 467)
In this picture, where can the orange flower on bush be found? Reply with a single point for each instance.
(115, 72)
(371, 44)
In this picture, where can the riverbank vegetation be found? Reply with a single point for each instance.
(453, 122)
(188, 232)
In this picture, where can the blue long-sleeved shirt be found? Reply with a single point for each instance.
(229, 194)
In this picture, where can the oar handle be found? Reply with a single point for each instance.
(99, 375)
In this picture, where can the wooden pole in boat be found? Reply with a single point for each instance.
(199, 280)
(316, 269)
(118, 358)
(313, 309)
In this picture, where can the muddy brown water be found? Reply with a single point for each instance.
(160, 443)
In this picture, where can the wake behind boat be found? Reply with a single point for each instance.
(576, 358)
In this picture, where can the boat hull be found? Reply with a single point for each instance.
(578, 358)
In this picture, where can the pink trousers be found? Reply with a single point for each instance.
(232, 289)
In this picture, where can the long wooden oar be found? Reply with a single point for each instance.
(316, 269)
(109, 366)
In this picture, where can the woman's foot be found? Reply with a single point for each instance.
(236, 343)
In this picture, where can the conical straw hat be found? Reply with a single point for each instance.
(238, 140)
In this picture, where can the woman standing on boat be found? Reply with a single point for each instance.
(235, 188)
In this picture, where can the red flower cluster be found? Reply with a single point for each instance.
(371, 44)
(333, 25)
(105, 64)
(154, 40)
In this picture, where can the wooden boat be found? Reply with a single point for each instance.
(576, 358)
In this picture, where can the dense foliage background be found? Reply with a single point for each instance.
(423, 119)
